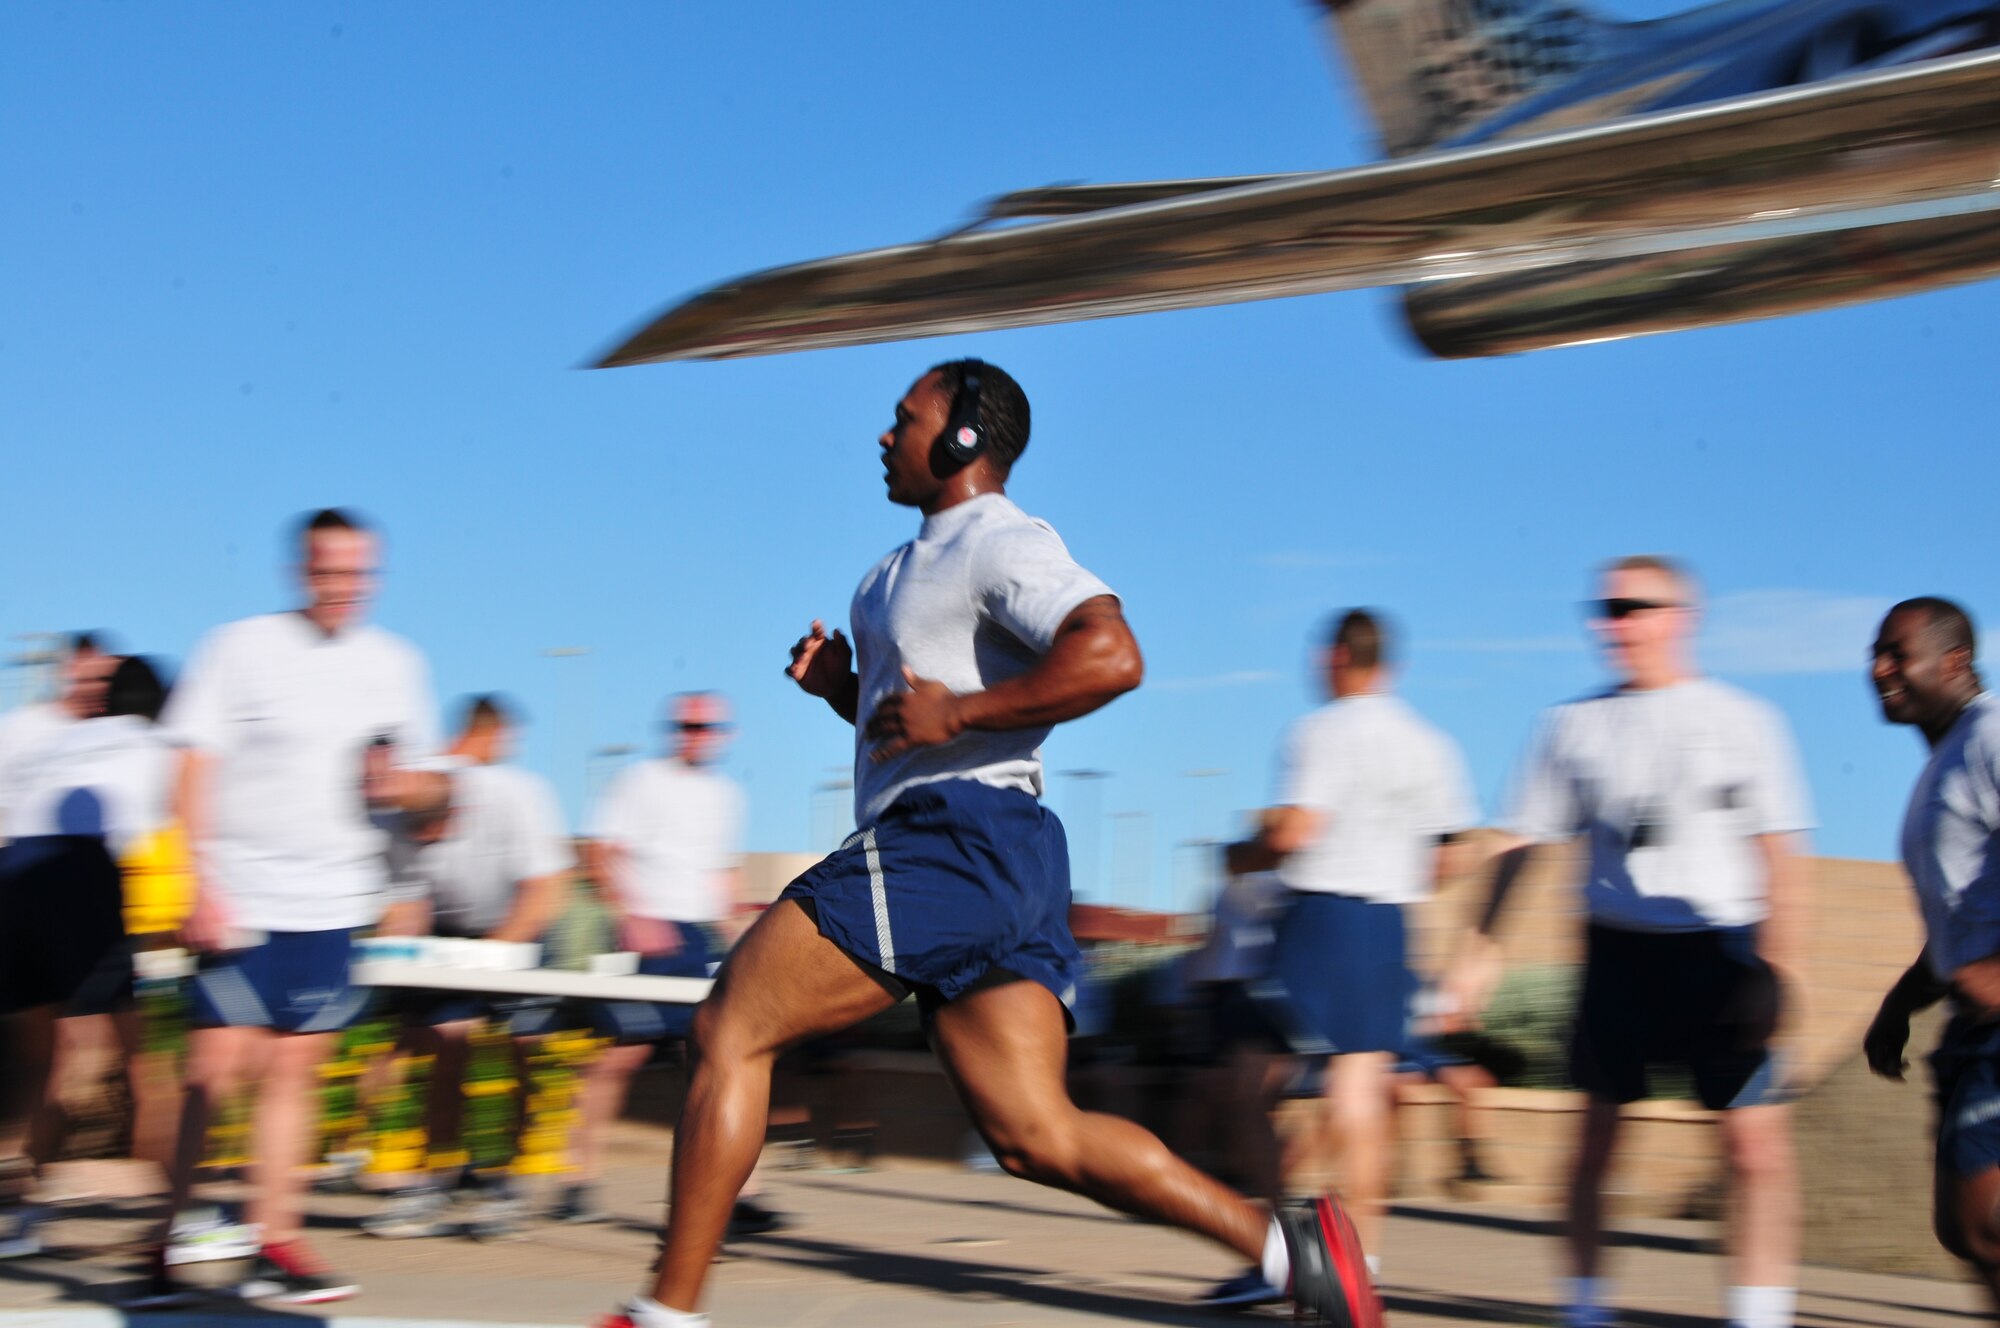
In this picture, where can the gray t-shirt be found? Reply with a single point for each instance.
(1948, 840)
(1671, 787)
(504, 828)
(973, 600)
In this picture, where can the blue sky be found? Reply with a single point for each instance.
(268, 257)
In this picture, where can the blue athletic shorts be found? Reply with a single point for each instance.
(1339, 979)
(629, 1022)
(956, 887)
(294, 982)
(1702, 999)
(1965, 1069)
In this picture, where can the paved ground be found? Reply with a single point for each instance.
(928, 1247)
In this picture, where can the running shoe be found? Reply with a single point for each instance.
(19, 1237)
(412, 1214)
(494, 1213)
(627, 1318)
(750, 1218)
(1329, 1271)
(290, 1274)
(578, 1204)
(1245, 1289)
(209, 1239)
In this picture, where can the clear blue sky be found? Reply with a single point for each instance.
(268, 257)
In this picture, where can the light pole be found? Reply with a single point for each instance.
(832, 809)
(1082, 805)
(604, 763)
(580, 734)
(1131, 857)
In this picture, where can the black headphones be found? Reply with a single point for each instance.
(963, 438)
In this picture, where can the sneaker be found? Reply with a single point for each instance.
(578, 1204)
(750, 1218)
(18, 1235)
(212, 1239)
(290, 1274)
(1245, 1289)
(412, 1214)
(627, 1318)
(494, 1213)
(1329, 1271)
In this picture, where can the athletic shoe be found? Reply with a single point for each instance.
(412, 1214)
(578, 1204)
(625, 1319)
(1245, 1289)
(18, 1236)
(1329, 1270)
(494, 1215)
(290, 1274)
(212, 1239)
(750, 1218)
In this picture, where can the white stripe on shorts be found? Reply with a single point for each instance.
(885, 944)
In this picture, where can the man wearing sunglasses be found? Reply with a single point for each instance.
(665, 851)
(1688, 797)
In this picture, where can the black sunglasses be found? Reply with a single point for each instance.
(1613, 609)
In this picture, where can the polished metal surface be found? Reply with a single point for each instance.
(1666, 220)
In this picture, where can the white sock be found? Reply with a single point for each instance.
(1583, 1295)
(1762, 1307)
(645, 1312)
(1277, 1259)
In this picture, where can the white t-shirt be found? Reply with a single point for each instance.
(505, 828)
(973, 600)
(681, 829)
(24, 731)
(1390, 787)
(1671, 785)
(112, 776)
(1949, 834)
(288, 713)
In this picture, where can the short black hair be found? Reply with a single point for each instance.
(1003, 407)
(488, 708)
(86, 643)
(135, 689)
(1947, 622)
(327, 518)
(1365, 635)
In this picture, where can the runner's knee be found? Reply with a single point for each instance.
(1035, 1149)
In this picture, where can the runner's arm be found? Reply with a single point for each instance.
(1092, 661)
(1781, 940)
(1889, 1033)
(1282, 831)
(537, 902)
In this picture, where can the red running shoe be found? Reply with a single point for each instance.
(1329, 1271)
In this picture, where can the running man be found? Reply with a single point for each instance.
(1369, 793)
(1926, 675)
(300, 732)
(1688, 794)
(493, 865)
(666, 851)
(972, 640)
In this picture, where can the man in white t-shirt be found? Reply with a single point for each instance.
(1369, 793)
(92, 788)
(25, 730)
(1688, 796)
(303, 731)
(666, 850)
(972, 641)
(1925, 672)
(492, 865)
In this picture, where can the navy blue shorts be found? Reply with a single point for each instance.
(1339, 969)
(1965, 1070)
(524, 1016)
(61, 919)
(293, 982)
(1701, 999)
(630, 1022)
(956, 887)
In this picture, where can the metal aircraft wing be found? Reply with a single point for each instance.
(1874, 151)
